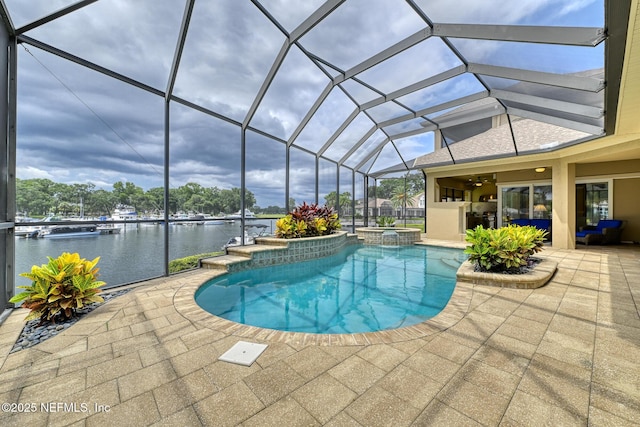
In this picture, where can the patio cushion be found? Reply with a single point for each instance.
(539, 223)
(542, 224)
(608, 223)
(607, 231)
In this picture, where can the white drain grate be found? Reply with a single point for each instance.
(243, 353)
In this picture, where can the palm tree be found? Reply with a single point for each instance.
(401, 200)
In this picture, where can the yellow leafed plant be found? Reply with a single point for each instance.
(60, 287)
(307, 221)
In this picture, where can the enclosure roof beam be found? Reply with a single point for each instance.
(184, 27)
(589, 84)
(458, 119)
(552, 104)
(456, 71)
(358, 144)
(373, 152)
(66, 55)
(323, 96)
(558, 121)
(573, 36)
(313, 20)
(54, 15)
(382, 56)
(337, 133)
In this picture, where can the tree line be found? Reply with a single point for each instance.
(40, 197)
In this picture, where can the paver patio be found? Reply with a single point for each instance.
(564, 354)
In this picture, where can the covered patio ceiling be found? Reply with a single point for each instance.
(377, 86)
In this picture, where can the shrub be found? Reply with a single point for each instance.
(307, 221)
(386, 221)
(60, 287)
(505, 249)
(189, 262)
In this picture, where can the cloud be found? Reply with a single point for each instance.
(77, 125)
(359, 29)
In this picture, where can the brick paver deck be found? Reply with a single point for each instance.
(564, 354)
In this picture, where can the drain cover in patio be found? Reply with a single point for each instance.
(243, 353)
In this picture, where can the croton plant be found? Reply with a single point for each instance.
(504, 249)
(307, 221)
(60, 287)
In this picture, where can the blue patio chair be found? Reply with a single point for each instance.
(607, 232)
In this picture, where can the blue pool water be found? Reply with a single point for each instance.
(361, 289)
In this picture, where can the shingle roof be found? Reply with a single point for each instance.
(530, 135)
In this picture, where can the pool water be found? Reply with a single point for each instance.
(361, 289)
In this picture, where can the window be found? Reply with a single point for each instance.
(592, 203)
(515, 203)
(542, 201)
(530, 201)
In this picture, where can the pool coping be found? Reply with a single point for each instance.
(454, 311)
(539, 276)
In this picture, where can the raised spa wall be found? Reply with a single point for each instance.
(272, 251)
(388, 236)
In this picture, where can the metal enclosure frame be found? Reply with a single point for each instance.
(363, 151)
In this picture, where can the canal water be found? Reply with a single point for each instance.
(135, 254)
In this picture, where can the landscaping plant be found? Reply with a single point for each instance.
(506, 249)
(386, 221)
(189, 262)
(60, 287)
(307, 221)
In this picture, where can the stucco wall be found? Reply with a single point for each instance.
(608, 168)
(446, 221)
(523, 175)
(626, 205)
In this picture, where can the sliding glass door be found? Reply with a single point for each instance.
(515, 203)
(592, 203)
(526, 201)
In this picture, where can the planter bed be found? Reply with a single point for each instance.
(537, 277)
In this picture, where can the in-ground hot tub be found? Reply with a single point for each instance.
(388, 235)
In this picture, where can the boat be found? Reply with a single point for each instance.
(124, 213)
(34, 231)
(108, 229)
(249, 238)
(235, 241)
(188, 219)
(27, 232)
(70, 231)
(219, 221)
(238, 215)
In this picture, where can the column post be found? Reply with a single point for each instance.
(564, 205)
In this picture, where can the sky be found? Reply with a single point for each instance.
(76, 125)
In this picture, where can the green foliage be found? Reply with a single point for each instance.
(419, 226)
(386, 221)
(343, 200)
(39, 197)
(307, 221)
(288, 228)
(60, 287)
(503, 249)
(387, 188)
(189, 262)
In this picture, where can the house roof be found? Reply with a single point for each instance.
(531, 136)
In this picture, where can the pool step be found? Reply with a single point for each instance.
(266, 251)
(223, 262)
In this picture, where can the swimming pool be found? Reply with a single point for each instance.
(361, 289)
